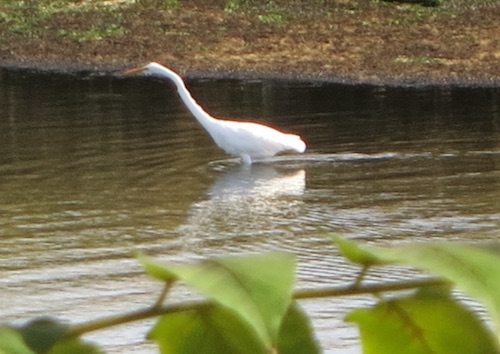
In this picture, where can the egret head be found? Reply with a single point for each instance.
(152, 68)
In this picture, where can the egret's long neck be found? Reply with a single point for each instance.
(203, 117)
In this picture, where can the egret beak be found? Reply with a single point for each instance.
(134, 71)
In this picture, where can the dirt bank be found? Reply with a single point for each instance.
(345, 41)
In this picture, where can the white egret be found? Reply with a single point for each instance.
(247, 140)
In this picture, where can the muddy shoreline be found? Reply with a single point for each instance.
(100, 70)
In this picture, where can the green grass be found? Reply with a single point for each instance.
(94, 34)
(30, 18)
(470, 3)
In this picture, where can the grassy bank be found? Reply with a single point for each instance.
(348, 40)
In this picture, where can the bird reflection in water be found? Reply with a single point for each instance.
(247, 201)
(258, 181)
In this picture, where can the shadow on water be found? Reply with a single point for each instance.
(89, 167)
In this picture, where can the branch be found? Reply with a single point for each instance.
(373, 288)
(333, 291)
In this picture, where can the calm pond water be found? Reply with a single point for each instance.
(90, 168)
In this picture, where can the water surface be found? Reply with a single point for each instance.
(92, 167)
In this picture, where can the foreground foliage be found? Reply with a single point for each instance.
(251, 307)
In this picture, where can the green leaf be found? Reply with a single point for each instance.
(75, 346)
(421, 324)
(218, 330)
(214, 330)
(355, 252)
(155, 268)
(11, 342)
(42, 333)
(296, 333)
(474, 269)
(258, 288)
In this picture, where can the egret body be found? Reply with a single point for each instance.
(247, 140)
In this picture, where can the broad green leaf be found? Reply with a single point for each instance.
(218, 330)
(75, 346)
(296, 333)
(474, 269)
(258, 288)
(209, 330)
(355, 252)
(42, 333)
(156, 269)
(11, 342)
(422, 324)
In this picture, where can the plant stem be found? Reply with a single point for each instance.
(140, 314)
(333, 291)
(360, 276)
(373, 288)
(163, 294)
